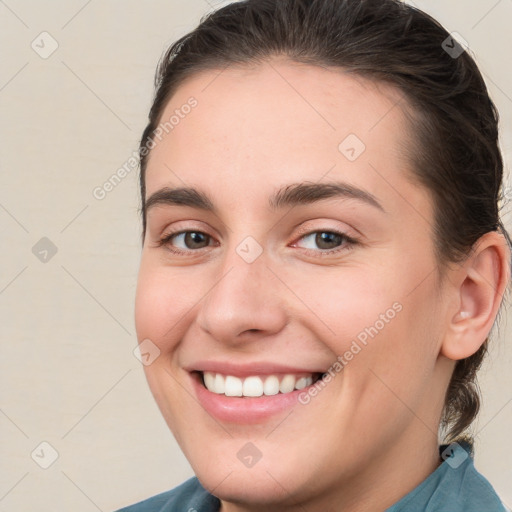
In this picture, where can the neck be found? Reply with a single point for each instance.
(389, 476)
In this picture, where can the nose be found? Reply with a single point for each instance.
(243, 303)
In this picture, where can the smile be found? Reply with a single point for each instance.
(248, 394)
(257, 385)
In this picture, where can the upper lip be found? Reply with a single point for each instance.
(249, 369)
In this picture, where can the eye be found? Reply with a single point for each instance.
(318, 242)
(327, 241)
(189, 241)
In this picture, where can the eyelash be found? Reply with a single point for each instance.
(347, 244)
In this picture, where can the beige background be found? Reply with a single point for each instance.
(68, 374)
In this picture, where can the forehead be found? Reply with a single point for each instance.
(257, 127)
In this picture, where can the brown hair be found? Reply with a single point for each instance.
(456, 155)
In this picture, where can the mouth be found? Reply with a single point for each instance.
(253, 394)
(256, 386)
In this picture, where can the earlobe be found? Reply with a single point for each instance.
(483, 278)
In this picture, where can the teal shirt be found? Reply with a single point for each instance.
(455, 486)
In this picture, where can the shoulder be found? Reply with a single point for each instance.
(475, 493)
(464, 483)
(189, 495)
(455, 486)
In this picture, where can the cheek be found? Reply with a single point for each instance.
(392, 375)
(161, 305)
(376, 325)
(343, 304)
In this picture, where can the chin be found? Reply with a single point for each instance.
(265, 484)
(248, 488)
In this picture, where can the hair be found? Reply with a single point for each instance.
(455, 151)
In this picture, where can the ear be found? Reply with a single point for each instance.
(480, 284)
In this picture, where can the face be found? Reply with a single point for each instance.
(305, 249)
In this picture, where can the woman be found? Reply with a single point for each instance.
(322, 260)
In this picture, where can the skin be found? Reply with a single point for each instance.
(280, 123)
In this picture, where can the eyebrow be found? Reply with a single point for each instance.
(290, 195)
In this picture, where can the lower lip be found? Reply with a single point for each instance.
(243, 409)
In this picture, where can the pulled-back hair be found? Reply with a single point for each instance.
(455, 153)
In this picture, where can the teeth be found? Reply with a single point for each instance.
(209, 380)
(271, 385)
(302, 383)
(254, 386)
(218, 383)
(233, 385)
(287, 384)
